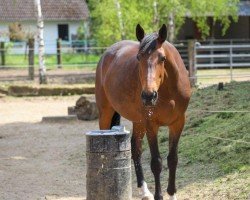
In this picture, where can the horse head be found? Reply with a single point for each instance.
(151, 57)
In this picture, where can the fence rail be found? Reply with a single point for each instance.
(197, 55)
(222, 55)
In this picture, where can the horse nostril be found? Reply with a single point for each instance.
(143, 95)
(155, 95)
(149, 96)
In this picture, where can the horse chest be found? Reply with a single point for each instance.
(162, 114)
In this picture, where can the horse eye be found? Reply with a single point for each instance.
(162, 59)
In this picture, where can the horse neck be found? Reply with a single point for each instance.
(172, 72)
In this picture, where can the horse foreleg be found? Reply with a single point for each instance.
(156, 161)
(136, 144)
(174, 135)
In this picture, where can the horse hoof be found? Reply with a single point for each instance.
(173, 197)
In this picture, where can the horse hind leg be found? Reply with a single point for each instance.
(116, 120)
(108, 118)
(174, 135)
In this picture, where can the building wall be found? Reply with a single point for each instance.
(50, 33)
(238, 30)
(187, 31)
(4, 29)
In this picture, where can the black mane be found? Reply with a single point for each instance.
(148, 43)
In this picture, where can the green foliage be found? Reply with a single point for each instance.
(80, 33)
(18, 34)
(69, 60)
(105, 23)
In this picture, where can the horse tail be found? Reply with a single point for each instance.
(115, 120)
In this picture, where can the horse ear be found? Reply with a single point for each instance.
(162, 34)
(139, 32)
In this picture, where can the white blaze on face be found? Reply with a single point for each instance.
(153, 62)
(151, 75)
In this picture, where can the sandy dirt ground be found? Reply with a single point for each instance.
(46, 161)
(38, 160)
(41, 160)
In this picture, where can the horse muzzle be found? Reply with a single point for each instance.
(149, 98)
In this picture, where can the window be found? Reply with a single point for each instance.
(63, 31)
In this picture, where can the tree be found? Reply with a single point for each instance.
(16, 32)
(40, 29)
(151, 14)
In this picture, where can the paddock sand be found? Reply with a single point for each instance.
(41, 161)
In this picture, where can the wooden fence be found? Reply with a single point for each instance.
(208, 54)
(217, 54)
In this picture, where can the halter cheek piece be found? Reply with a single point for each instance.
(138, 56)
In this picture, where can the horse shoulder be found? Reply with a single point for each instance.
(183, 84)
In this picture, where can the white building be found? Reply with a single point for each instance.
(62, 19)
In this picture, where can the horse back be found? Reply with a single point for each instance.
(116, 54)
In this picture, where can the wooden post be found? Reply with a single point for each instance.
(231, 60)
(2, 48)
(192, 62)
(31, 45)
(59, 55)
(108, 154)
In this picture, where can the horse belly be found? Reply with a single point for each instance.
(124, 100)
(126, 107)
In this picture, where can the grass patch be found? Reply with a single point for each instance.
(213, 144)
(200, 142)
(69, 61)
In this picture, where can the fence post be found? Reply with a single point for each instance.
(192, 62)
(108, 154)
(59, 55)
(31, 45)
(211, 51)
(2, 50)
(231, 61)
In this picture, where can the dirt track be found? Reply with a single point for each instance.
(41, 160)
(47, 161)
(38, 159)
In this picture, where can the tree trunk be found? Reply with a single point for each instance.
(86, 36)
(171, 27)
(40, 27)
(156, 16)
(119, 15)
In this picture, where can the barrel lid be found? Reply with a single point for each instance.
(116, 130)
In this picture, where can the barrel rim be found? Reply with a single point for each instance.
(105, 133)
(116, 130)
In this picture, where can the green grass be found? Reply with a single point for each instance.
(200, 143)
(69, 61)
(214, 147)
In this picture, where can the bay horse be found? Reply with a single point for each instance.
(147, 83)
